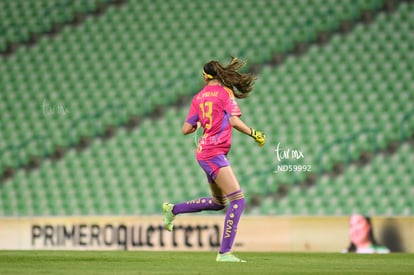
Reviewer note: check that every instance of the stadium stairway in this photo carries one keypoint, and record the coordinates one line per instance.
(26, 148)
(382, 186)
(25, 22)
(80, 198)
(353, 130)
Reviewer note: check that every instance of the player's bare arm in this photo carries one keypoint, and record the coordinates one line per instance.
(239, 125)
(188, 128)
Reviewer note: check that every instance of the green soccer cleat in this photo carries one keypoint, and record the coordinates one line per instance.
(168, 215)
(229, 258)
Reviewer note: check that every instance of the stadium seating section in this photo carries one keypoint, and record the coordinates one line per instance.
(338, 101)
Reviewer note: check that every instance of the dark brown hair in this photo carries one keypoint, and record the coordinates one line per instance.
(240, 83)
(352, 247)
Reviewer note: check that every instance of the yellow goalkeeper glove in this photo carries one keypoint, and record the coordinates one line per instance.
(258, 136)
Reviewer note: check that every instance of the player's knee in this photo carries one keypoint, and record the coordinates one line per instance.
(220, 207)
(219, 203)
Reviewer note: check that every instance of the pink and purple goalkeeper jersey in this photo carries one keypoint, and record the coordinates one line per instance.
(213, 106)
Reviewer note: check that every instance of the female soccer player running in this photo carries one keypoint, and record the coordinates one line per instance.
(215, 108)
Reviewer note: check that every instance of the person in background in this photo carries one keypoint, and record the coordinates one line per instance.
(362, 236)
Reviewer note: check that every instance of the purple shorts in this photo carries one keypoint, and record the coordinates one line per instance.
(213, 165)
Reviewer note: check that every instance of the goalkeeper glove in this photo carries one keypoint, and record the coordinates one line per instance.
(258, 136)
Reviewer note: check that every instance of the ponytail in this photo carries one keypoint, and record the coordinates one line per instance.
(240, 83)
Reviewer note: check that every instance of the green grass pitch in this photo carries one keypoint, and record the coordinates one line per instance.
(129, 262)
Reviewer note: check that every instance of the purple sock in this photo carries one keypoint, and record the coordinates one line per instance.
(214, 203)
(231, 221)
